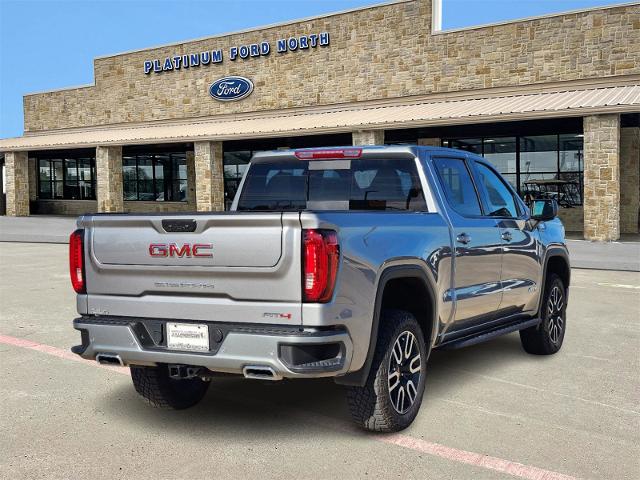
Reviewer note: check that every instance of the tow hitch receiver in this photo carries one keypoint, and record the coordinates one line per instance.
(184, 372)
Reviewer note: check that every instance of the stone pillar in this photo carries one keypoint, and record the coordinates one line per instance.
(602, 177)
(33, 179)
(17, 182)
(368, 137)
(430, 142)
(109, 179)
(629, 179)
(191, 178)
(209, 176)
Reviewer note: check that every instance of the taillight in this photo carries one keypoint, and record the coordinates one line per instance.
(76, 261)
(321, 254)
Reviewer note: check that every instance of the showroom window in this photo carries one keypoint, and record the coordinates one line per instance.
(538, 166)
(155, 177)
(502, 153)
(235, 164)
(66, 177)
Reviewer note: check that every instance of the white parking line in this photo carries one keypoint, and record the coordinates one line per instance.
(618, 285)
(544, 390)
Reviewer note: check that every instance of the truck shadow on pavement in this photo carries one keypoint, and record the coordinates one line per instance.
(235, 407)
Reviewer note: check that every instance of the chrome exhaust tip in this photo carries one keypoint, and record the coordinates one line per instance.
(109, 359)
(260, 372)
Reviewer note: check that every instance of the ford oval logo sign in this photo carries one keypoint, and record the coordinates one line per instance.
(228, 89)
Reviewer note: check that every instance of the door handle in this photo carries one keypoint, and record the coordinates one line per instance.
(506, 236)
(463, 238)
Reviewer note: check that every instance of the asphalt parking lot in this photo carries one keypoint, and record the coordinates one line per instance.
(490, 411)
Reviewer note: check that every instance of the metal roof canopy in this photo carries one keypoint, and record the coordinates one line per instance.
(424, 113)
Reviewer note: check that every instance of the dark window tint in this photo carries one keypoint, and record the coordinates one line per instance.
(473, 145)
(333, 185)
(501, 201)
(155, 177)
(458, 186)
(66, 177)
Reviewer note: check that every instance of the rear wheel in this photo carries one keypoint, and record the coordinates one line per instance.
(546, 338)
(162, 391)
(391, 397)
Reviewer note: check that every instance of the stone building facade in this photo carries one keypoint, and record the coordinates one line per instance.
(513, 76)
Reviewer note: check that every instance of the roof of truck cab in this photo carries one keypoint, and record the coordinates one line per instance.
(367, 151)
(370, 152)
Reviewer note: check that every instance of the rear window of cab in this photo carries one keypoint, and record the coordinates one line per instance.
(353, 184)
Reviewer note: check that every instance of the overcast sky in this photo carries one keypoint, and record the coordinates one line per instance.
(51, 44)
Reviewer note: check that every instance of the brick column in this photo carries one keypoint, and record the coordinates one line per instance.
(629, 179)
(602, 177)
(109, 179)
(368, 137)
(430, 142)
(191, 179)
(209, 176)
(17, 183)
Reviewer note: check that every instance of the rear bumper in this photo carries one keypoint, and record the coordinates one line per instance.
(287, 350)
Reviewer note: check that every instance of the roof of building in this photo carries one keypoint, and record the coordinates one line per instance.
(401, 114)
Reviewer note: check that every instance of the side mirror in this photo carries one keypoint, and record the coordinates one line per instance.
(544, 210)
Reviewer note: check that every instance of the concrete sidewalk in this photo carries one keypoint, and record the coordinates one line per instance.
(605, 256)
(37, 229)
(623, 255)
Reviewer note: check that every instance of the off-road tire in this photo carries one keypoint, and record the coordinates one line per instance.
(162, 391)
(371, 405)
(545, 338)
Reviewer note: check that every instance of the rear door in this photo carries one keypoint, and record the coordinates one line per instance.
(478, 250)
(521, 268)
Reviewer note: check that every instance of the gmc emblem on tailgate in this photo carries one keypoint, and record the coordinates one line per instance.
(186, 250)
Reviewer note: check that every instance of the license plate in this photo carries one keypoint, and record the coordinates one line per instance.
(192, 337)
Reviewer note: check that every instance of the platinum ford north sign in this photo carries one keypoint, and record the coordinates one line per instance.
(228, 89)
(243, 52)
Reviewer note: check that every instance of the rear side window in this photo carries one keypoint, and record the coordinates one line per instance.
(333, 185)
(458, 186)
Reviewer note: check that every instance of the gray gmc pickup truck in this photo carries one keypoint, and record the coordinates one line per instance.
(352, 263)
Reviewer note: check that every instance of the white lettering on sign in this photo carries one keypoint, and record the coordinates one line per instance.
(228, 88)
(243, 52)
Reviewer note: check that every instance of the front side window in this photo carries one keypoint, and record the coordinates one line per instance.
(155, 177)
(501, 202)
(333, 185)
(458, 186)
(66, 178)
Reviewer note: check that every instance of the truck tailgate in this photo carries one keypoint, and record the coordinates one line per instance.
(229, 240)
(230, 267)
